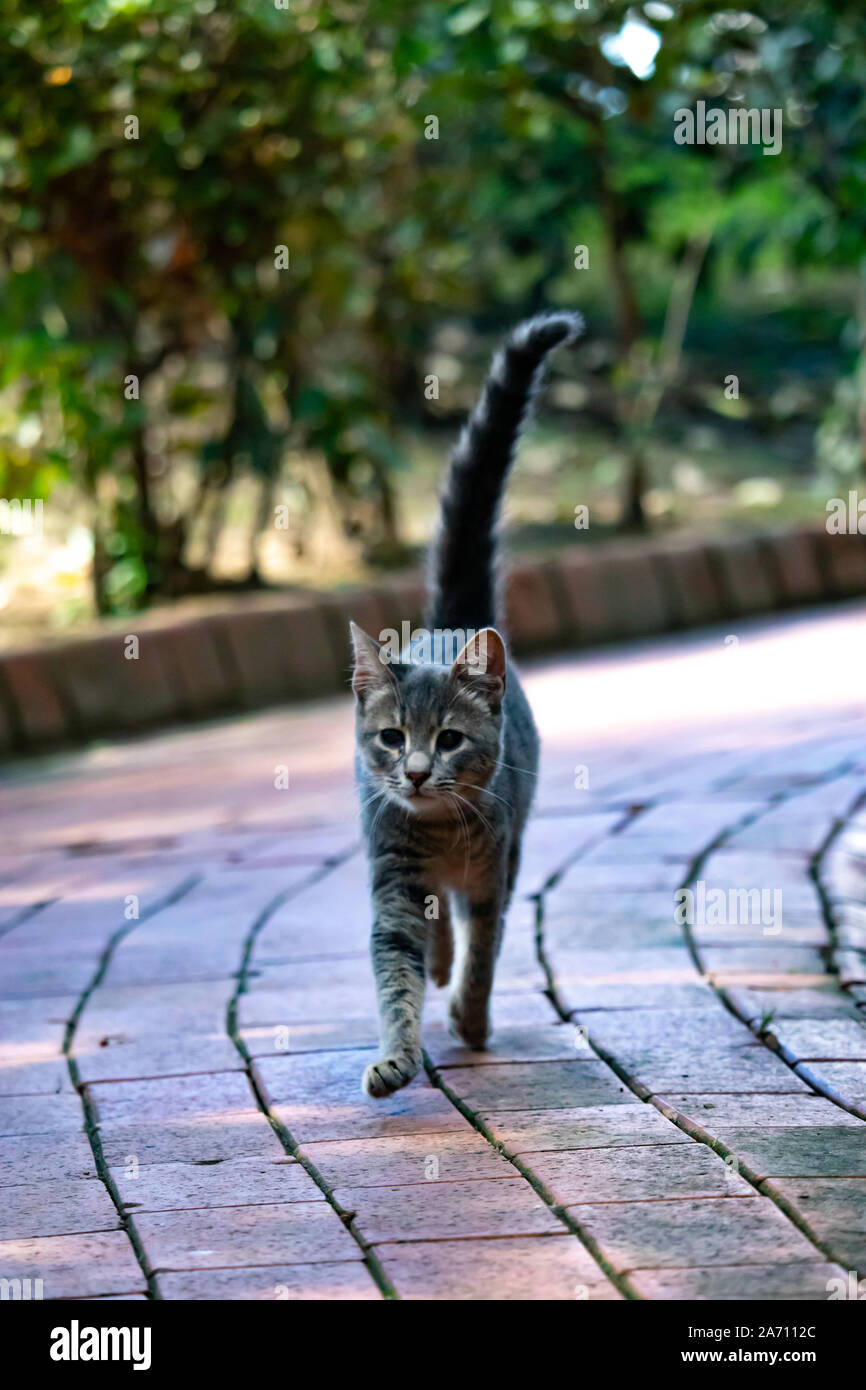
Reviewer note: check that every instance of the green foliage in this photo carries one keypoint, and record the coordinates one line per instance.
(304, 127)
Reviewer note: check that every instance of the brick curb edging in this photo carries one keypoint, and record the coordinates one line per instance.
(279, 648)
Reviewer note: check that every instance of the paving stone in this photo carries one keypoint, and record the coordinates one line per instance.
(120, 1298)
(851, 935)
(853, 916)
(313, 971)
(808, 932)
(90, 1265)
(627, 847)
(31, 1158)
(548, 1042)
(828, 1038)
(763, 964)
(590, 996)
(578, 970)
(572, 910)
(827, 1002)
(679, 1052)
(681, 1233)
(627, 876)
(627, 932)
(846, 1079)
(146, 1010)
(279, 1007)
(40, 1114)
(228, 1183)
(27, 974)
(537, 1085)
(270, 1040)
(329, 1282)
(825, 1151)
(541, 1268)
(657, 1032)
(644, 1173)
(418, 1158)
(549, 841)
(159, 1055)
(437, 1211)
(835, 1209)
(228, 1237)
(804, 1110)
(802, 766)
(47, 1077)
(788, 828)
(851, 967)
(57, 1208)
(776, 1283)
(528, 1010)
(192, 960)
(692, 823)
(592, 1127)
(309, 844)
(206, 1139)
(170, 1097)
(70, 933)
(318, 1096)
(293, 943)
(732, 867)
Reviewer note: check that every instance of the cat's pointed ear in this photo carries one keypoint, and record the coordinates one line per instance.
(481, 664)
(370, 672)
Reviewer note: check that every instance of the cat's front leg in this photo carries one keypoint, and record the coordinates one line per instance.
(397, 950)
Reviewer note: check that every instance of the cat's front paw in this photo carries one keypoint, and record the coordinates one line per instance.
(389, 1074)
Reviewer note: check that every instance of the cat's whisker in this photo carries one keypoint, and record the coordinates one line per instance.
(378, 815)
(472, 787)
(369, 799)
(466, 802)
(529, 771)
(463, 826)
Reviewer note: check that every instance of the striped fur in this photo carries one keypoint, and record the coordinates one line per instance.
(446, 750)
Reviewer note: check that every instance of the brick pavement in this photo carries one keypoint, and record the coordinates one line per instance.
(668, 1110)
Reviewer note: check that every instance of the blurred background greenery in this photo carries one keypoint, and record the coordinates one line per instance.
(429, 169)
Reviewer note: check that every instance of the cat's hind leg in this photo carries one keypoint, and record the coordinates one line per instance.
(469, 1006)
(439, 951)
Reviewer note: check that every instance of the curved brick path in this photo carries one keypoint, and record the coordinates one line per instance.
(667, 1110)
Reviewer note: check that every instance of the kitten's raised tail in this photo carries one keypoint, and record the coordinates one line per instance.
(462, 568)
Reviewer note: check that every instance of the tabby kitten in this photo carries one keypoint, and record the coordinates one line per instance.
(446, 749)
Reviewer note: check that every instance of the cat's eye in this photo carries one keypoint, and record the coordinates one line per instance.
(392, 738)
(448, 740)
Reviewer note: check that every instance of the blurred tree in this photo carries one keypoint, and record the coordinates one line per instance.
(199, 212)
(580, 127)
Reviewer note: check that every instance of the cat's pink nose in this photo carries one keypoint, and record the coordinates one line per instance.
(416, 778)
